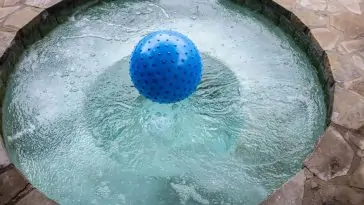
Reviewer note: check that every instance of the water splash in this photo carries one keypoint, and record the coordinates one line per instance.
(188, 192)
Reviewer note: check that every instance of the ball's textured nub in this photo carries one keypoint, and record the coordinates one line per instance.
(166, 67)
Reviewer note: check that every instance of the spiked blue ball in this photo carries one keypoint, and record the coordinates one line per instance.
(166, 67)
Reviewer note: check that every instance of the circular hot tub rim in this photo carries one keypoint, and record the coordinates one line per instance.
(331, 33)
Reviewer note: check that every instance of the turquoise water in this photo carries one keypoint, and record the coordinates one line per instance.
(77, 128)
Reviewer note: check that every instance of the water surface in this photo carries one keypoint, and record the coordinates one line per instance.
(78, 129)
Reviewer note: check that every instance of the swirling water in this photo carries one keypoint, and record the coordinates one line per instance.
(77, 128)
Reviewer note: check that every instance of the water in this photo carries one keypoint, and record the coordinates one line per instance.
(76, 127)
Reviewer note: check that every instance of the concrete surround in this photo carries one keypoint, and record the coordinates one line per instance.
(332, 33)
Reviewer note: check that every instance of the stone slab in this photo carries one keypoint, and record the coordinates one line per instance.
(11, 183)
(327, 38)
(332, 156)
(11, 2)
(22, 17)
(42, 3)
(356, 86)
(350, 46)
(357, 179)
(348, 109)
(311, 19)
(35, 198)
(7, 11)
(351, 24)
(353, 6)
(343, 69)
(291, 193)
(331, 194)
(335, 7)
(358, 59)
(287, 4)
(356, 138)
(316, 5)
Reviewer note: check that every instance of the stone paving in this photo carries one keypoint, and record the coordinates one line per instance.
(332, 33)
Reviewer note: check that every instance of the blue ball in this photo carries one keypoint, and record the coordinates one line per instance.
(166, 67)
